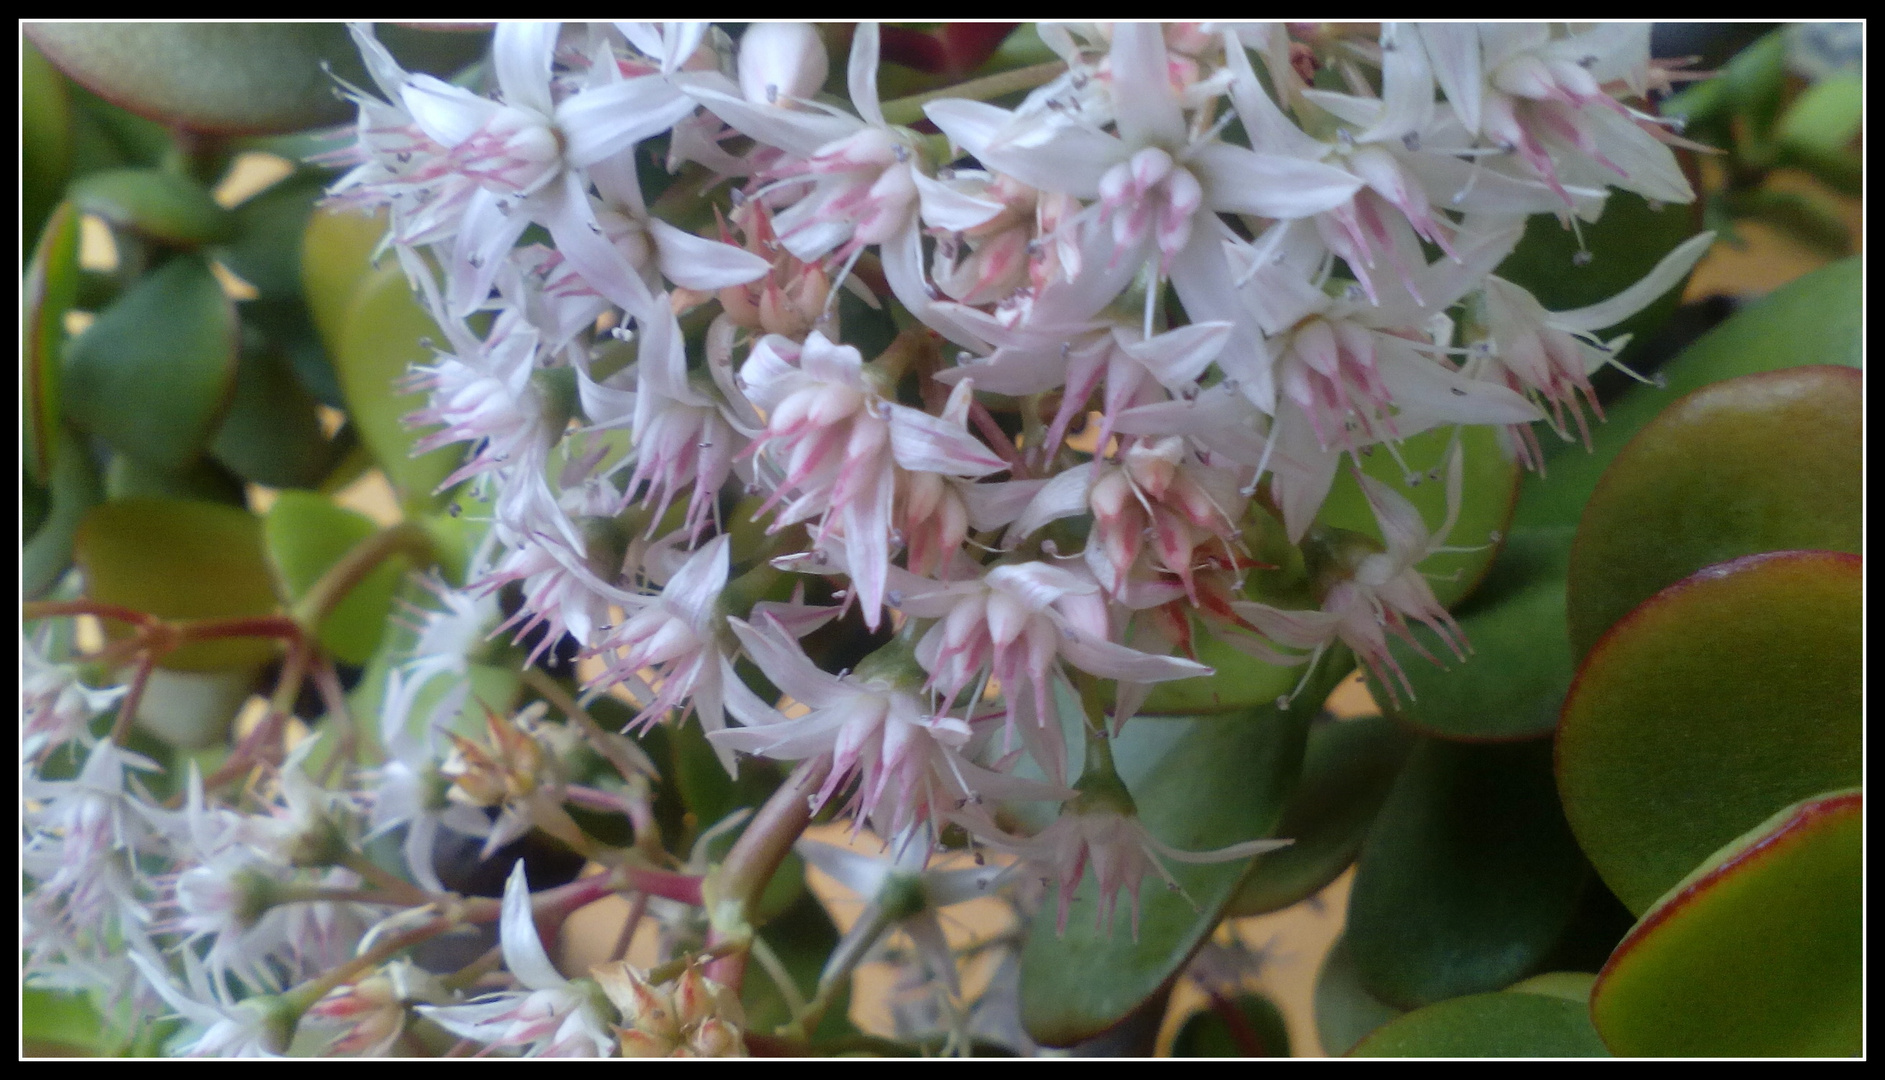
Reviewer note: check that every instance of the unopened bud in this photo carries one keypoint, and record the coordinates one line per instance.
(781, 62)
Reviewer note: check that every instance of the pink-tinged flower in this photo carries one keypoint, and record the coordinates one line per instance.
(1549, 356)
(550, 1016)
(676, 632)
(908, 761)
(459, 167)
(1353, 373)
(1120, 849)
(372, 1012)
(1155, 184)
(562, 592)
(81, 842)
(838, 444)
(1547, 98)
(55, 707)
(1381, 592)
(694, 1018)
(868, 183)
(482, 393)
(899, 893)
(685, 436)
(1019, 623)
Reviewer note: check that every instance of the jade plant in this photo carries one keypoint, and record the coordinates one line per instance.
(991, 444)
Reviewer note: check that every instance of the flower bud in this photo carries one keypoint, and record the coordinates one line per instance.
(780, 62)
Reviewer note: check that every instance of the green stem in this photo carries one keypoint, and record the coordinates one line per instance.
(732, 893)
(406, 538)
(908, 110)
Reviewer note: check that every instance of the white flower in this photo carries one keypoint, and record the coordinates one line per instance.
(550, 1016)
(55, 707)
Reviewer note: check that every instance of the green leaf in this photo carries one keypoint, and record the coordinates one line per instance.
(384, 326)
(1489, 1025)
(335, 252)
(1468, 877)
(194, 710)
(1814, 320)
(202, 480)
(1489, 492)
(74, 490)
(1209, 1034)
(1721, 699)
(265, 250)
(47, 293)
(1347, 771)
(230, 78)
(154, 203)
(153, 375)
(1512, 683)
(1757, 953)
(1765, 462)
(802, 936)
(59, 1023)
(1200, 784)
(1566, 985)
(1345, 1011)
(107, 137)
(272, 433)
(45, 137)
(181, 560)
(306, 536)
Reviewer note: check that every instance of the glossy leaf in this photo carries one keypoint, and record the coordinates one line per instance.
(1199, 783)
(153, 375)
(335, 252)
(1512, 683)
(265, 249)
(1489, 1025)
(306, 536)
(219, 77)
(181, 560)
(384, 326)
(74, 490)
(1489, 493)
(1765, 462)
(49, 290)
(1813, 320)
(1259, 1031)
(154, 203)
(1721, 699)
(1347, 771)
(1238, 681)
(1345, 1011)
(272, 433)
(1468, 877)
(1757, 953)
(1565, 985)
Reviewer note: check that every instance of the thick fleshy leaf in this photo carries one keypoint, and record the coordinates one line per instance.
(1345, 1011)
(1757, 953)
(1489, 487)
(1489, 1025)
(1719, 700)
(154, 203)
(1568, 985)
(181, 560)
(153, 375)
(203, 480)
(232, 78)
(272, 433)
(265, 248)
(1259, 1031)
(1347, 771)
(1765, 462)
(1814, 320)
(379, 342)
(306, 536)
(1511, 685)
(1468, 877)
(1200, 784)
(336, 250)
(47, 293)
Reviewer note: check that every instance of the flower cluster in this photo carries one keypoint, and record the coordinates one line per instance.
(1013, 394)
